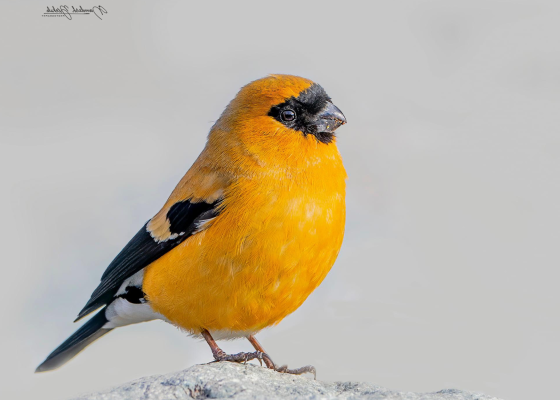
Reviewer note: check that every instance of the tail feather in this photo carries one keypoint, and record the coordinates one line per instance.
(87, 334)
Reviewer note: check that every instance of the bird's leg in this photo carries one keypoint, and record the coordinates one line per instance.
(269, 363)
(220, 355)
(284, 368)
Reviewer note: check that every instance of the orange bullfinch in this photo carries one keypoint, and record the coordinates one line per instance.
(249, 232)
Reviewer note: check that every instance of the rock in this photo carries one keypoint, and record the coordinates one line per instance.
(236, 381)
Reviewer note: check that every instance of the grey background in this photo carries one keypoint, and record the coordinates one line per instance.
(448, 276)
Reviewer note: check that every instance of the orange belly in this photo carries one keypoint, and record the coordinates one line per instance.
(258, 260)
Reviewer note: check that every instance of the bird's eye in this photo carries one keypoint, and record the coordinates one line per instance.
(288, 115)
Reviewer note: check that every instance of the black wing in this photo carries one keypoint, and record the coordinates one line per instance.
(143, 249)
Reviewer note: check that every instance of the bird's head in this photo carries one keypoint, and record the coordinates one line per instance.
(282, 108)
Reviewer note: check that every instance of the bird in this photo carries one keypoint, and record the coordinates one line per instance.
(249, 232)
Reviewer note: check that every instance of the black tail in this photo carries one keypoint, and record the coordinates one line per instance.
(87, 334)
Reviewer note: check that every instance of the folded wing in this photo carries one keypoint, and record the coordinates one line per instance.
(157, 237)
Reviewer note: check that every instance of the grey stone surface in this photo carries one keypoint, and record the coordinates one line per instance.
(235, 381)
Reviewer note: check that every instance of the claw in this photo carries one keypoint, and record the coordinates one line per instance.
(239, 357)
(268, 361)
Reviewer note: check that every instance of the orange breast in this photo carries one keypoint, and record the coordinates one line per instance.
(275, 241)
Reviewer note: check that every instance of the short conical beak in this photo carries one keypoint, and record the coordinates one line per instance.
(330, 118)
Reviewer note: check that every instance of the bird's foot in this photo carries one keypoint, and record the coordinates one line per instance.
(242, 357)
(284, 368)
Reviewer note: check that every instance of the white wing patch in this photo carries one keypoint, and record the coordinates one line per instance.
(134, 280)
(121, 313)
